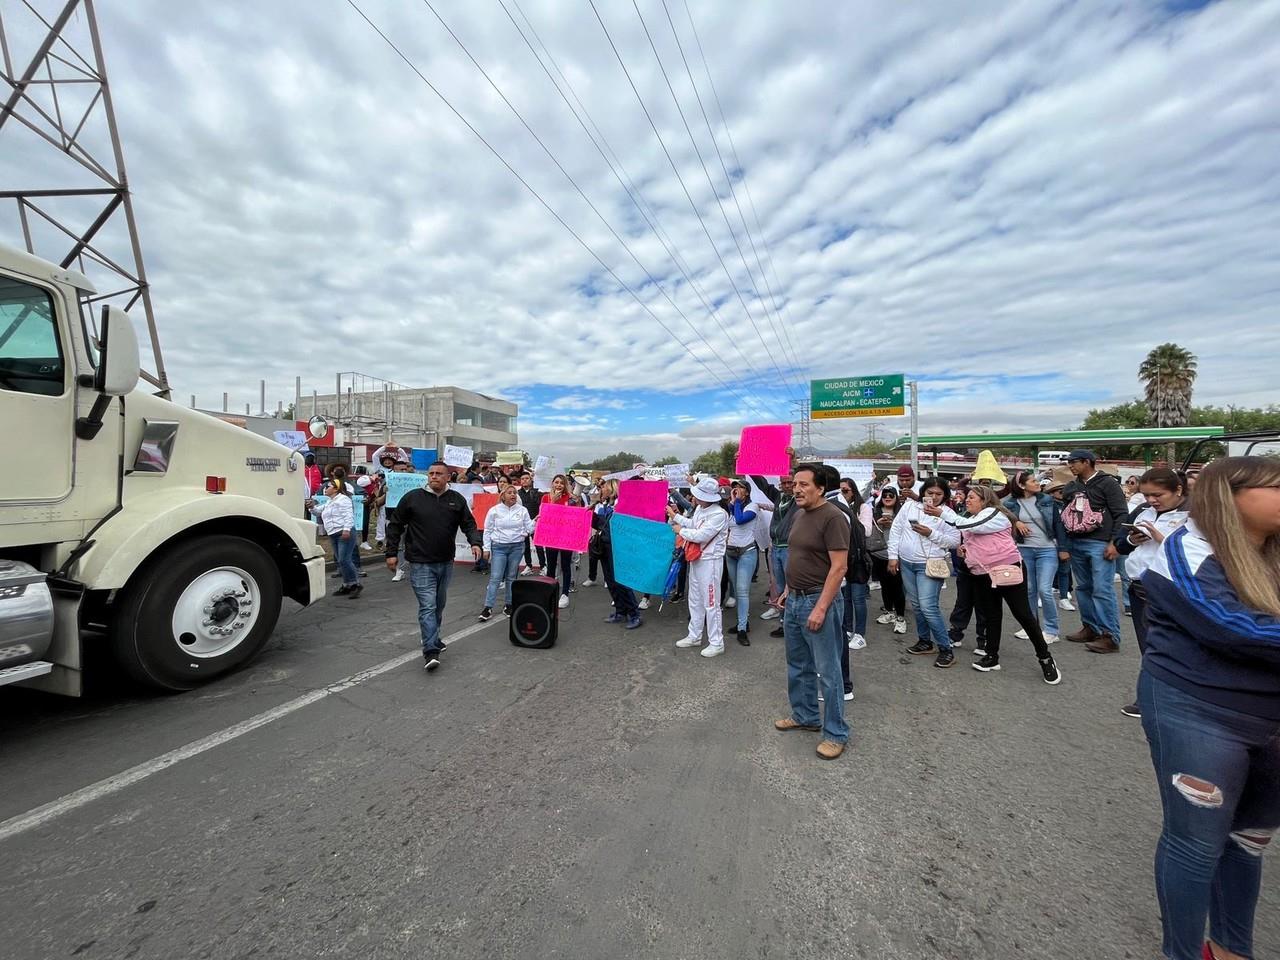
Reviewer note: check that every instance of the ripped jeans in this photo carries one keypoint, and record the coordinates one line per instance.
(1218, 772)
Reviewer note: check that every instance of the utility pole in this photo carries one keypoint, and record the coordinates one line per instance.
(804, 443)
(915, 425)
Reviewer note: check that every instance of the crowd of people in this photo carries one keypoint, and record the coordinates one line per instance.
(1200, 574)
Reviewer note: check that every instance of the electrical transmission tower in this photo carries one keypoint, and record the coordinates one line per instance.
(57, 118)
(803, 441)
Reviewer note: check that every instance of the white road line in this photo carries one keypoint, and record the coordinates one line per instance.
(95, 791)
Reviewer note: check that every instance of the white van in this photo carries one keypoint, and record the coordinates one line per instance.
(1052, 458)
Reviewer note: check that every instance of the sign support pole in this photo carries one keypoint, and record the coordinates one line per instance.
(915, 426)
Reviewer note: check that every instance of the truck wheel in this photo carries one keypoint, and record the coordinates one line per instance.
(197, 611)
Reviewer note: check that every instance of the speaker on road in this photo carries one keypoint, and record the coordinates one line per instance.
(535, 612)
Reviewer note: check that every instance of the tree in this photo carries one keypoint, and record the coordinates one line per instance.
(721, 462)
(665, 462)
(1135, 414)
(612, 463)
(867, 448)
(1168, 375)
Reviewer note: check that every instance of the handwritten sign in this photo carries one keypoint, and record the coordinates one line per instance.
(562, 527)
(357, 508)
(763, 449)
(641, 552)
(643, 498)
(624, 474)
(510, 458)
(861, 472)
(398, 484)
(677, 474)
(481, 504)
(458, 456)
(291, 438)
(544, 471)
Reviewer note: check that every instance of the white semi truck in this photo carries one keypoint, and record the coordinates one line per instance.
(125, 519)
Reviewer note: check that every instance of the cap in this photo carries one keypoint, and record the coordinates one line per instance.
(1082, 455)
(906, 471)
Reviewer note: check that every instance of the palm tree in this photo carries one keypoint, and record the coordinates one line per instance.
(1168, 375)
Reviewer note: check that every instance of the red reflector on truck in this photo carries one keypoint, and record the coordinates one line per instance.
(215, 484)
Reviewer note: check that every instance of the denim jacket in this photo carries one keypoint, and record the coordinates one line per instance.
(1050, 512)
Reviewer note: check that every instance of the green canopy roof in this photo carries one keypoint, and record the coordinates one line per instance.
(1066, 438)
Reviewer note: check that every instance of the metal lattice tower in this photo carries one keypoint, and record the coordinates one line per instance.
(803, 441)
(57, 118)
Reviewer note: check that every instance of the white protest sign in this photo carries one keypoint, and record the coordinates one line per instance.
(544, 471)
(624, 474)
(458, 456)
(677, 474)
(861, 472)
(291, 438)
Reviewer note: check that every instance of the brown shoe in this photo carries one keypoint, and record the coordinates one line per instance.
(829, 749)
(1104, 644)
(1083, 635)
(790, 723)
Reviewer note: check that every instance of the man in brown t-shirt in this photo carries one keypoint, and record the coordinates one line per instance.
(817, 557)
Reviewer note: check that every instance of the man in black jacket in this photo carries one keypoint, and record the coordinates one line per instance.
(532, 500)
(1093, 556)
(432, 517)
(784, 515)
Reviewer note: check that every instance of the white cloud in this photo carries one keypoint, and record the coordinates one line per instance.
(1047, 191)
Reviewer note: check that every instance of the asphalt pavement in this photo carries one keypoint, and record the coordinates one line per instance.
(611, 797)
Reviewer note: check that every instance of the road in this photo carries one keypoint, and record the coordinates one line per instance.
(613, 796)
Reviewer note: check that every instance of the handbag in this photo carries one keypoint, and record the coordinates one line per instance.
(937, 567)
(692, 551)
(1005, 574)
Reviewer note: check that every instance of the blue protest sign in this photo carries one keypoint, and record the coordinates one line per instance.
(398, 484)
(641, 552)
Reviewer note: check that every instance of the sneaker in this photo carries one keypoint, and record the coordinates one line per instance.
(432, 661)
(485, 614)
(588, 583)
(633, 623)
(986, 664)
(644, 603)
(1052, 675)
(791, 723)
(978, 652)
(1022, 635)
(689, 642)
(506, 609)
(365, 547)
(776, 632)
(772, 613)
(398, 577)
(342, 591)
(829, 749)
(1051, 638)
(1066, 604)
(957, 643)
(564, 601)
(1132, 710)
(886, 618)
(873, 585)
(355, 590)
(900, 625)
(713, 651)
(857, 642)
(946, 658)
(730, 602)
(921, 648)
(848, 696)
(614, 618)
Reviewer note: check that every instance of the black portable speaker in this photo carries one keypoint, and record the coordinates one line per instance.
(535, 612)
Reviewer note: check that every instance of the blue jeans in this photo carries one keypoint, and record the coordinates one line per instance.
(922, 593)
(741, 570)
(1041, 564)
(1124, 582)
(504, 563)
(1095, 587)
(1209, 857)
(855, 607)
(344, 558)
(778, 566)
(810, 655)
(430, 582)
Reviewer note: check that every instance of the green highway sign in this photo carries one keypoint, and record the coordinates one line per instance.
(878, 396)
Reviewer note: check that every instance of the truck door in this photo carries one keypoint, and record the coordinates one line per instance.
(37, 399)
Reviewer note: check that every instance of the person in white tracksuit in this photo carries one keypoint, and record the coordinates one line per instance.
(708, 527)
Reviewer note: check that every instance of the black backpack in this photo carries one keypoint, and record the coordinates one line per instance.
(859, 557)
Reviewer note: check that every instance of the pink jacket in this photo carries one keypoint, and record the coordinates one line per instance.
(988, 540)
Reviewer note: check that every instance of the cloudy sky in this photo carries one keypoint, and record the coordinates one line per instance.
(1010, 202)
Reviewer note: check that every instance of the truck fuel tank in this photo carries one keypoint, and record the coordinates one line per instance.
(26, 613)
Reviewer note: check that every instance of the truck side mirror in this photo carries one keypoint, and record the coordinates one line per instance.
(118, 368)
(318, 427)
(118, 364)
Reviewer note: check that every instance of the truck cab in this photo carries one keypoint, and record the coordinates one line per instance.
(125, 519)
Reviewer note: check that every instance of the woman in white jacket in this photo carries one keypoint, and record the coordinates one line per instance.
(920, 550)
(505, 527)
(339, 518)
(708, 529)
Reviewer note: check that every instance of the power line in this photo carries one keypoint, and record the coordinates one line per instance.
(683, 185)
(737, 163)
(784, 341)
(710, 183)
(537, 196)
(675, 258)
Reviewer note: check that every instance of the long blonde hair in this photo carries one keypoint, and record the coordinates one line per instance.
(1253, 573)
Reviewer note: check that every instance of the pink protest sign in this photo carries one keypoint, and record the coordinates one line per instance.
(643, 498)
(763, 449)
(563, 528)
